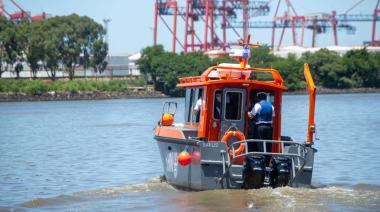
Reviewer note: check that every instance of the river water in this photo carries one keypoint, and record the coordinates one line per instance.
(101, 156)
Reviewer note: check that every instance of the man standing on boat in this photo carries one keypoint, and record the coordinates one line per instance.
(263, 111)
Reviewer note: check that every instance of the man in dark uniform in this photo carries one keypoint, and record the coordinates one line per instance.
(263, 112)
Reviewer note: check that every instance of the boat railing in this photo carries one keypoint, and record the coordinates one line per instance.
(298, 158)
(301, 150)
(232, 73)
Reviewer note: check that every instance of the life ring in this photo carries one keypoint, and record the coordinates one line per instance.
(238, 135)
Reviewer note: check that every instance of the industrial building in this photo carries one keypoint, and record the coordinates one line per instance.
(298, 50)
(119, 65)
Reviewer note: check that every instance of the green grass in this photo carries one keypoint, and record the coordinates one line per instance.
(38, 86)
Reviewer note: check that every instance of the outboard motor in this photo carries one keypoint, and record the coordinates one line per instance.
(280, 174)
(253, 171)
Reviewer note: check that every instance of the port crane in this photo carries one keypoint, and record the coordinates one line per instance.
(318, 23)
(21, 14)
(206, 22)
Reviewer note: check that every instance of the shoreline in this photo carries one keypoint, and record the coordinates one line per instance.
(100, 95)
(321, 90)
(84, 95)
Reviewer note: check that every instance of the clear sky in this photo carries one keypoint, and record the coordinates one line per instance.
(131, 27)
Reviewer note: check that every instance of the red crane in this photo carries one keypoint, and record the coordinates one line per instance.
(2, 12)
(21, 14)
(376, 15)
(206, 22)
(206, 11)
(318, 23)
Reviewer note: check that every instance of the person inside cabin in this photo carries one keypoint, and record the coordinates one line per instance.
(198, 106)
(263, 112)
(233, 101)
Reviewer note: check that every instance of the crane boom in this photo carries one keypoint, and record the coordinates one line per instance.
(20, 8)
(2, 8)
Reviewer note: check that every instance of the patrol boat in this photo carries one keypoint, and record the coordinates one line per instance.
(216, 147)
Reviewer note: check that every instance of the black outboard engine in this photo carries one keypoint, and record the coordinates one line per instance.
(281, 169)
(253, 171)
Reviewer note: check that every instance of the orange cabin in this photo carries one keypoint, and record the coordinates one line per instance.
(227, 93)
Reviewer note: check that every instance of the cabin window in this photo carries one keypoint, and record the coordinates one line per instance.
(188, 103)
(191, 99)
(254, 100)
(233, 105)
(197, 104)
(217, 104)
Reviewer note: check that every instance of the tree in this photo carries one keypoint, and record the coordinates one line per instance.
(375, 58)
(98, 55)
(52, 46)
(18, 68)
(92, 41)
(363, 67)
(52, 55)
(223, 59)
(67, 41)
(61, 41)
(262, 57)
(71, 43)
(329, 69)
(145, 62)
(166, 67)
(35, 50)
(77, 35)
(4, 26)
(195, 63)
(8, 43)
(20, 45)
(291, 70)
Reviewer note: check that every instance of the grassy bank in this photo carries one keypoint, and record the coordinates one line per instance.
(34, 87)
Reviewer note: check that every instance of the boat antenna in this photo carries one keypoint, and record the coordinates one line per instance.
(246, 51)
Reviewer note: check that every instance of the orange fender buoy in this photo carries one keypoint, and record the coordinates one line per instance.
(196, 158)
(238, 135)
(184, 158)
(167, 119)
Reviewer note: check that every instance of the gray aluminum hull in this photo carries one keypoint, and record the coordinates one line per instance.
(215, 170)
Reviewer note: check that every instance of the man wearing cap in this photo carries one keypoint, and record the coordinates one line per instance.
(263, 111)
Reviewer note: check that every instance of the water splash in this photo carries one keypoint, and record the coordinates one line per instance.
(155, 184)
(329, 198)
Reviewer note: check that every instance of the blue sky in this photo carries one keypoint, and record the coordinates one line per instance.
(132, 20)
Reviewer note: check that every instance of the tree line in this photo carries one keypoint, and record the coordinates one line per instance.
(356, 68)
(61, 42)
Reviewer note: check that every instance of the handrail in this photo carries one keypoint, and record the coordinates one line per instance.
(301, 155)
(167, 108)
(204, 76)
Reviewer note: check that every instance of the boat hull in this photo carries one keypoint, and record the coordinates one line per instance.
(209, 170)
(181, 176)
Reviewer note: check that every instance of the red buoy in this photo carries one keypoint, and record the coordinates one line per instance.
(167, 119)
(196, 158)
(184, 158)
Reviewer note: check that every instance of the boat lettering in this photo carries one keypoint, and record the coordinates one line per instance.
(172, 163)
(210, 145)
